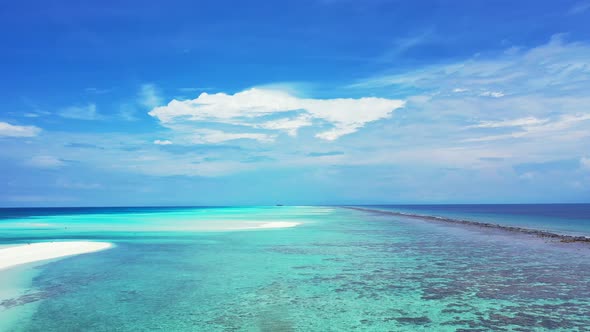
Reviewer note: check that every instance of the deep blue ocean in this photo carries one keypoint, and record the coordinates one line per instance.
(570, 219)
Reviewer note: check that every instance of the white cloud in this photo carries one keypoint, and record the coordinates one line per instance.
(543, 114)
(528, 176)
(77, 185)
(335, 133)
(250, 107)
(8, 130)
(87, 112)
(45, 161)
(495, 137)
(548, 99)
(495, 94)
(162, 142)
(555, 64)
(535, 127)
(402, 45)
(148, 96)
(289, 125)
(528, 121)
(202, 136)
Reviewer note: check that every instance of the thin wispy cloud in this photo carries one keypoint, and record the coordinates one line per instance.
(87, 112)
(149, 96)
(580, 7)
(564, 125)
(45, 161)
(555, 64)
(528, 121)
(67, 184)
(494, 94)
(402, 45)
(204, 136)
(9, 130)
(547, 86)
(128, 112)
(325, 154)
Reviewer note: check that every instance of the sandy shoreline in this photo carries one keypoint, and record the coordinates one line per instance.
(34, 252)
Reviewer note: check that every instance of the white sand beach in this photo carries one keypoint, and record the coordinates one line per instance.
(29, 253)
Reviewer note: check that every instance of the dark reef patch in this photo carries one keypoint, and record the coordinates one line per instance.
(539, 233)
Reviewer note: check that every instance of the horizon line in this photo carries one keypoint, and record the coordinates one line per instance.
(278, 205)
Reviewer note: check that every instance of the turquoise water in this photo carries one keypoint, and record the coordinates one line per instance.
(190, 270)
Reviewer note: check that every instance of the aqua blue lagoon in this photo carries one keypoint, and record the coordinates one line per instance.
(218, 269)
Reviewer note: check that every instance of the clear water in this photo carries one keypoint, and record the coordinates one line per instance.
(175, 270)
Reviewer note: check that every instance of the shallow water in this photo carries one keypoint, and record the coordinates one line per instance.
(339, 270)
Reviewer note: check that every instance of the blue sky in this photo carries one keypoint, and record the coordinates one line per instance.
(294, 102)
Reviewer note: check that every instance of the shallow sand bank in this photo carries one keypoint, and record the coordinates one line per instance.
(278, 224)
(29, 253)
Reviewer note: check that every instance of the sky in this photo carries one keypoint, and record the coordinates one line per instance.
(118, 103)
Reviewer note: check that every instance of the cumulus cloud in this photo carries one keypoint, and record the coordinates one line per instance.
(8, 130)
(162, 142)
(252, 107)
(288, 125)
(87, 112)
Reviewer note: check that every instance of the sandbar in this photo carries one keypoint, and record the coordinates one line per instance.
(34, 252)
(278, 224)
